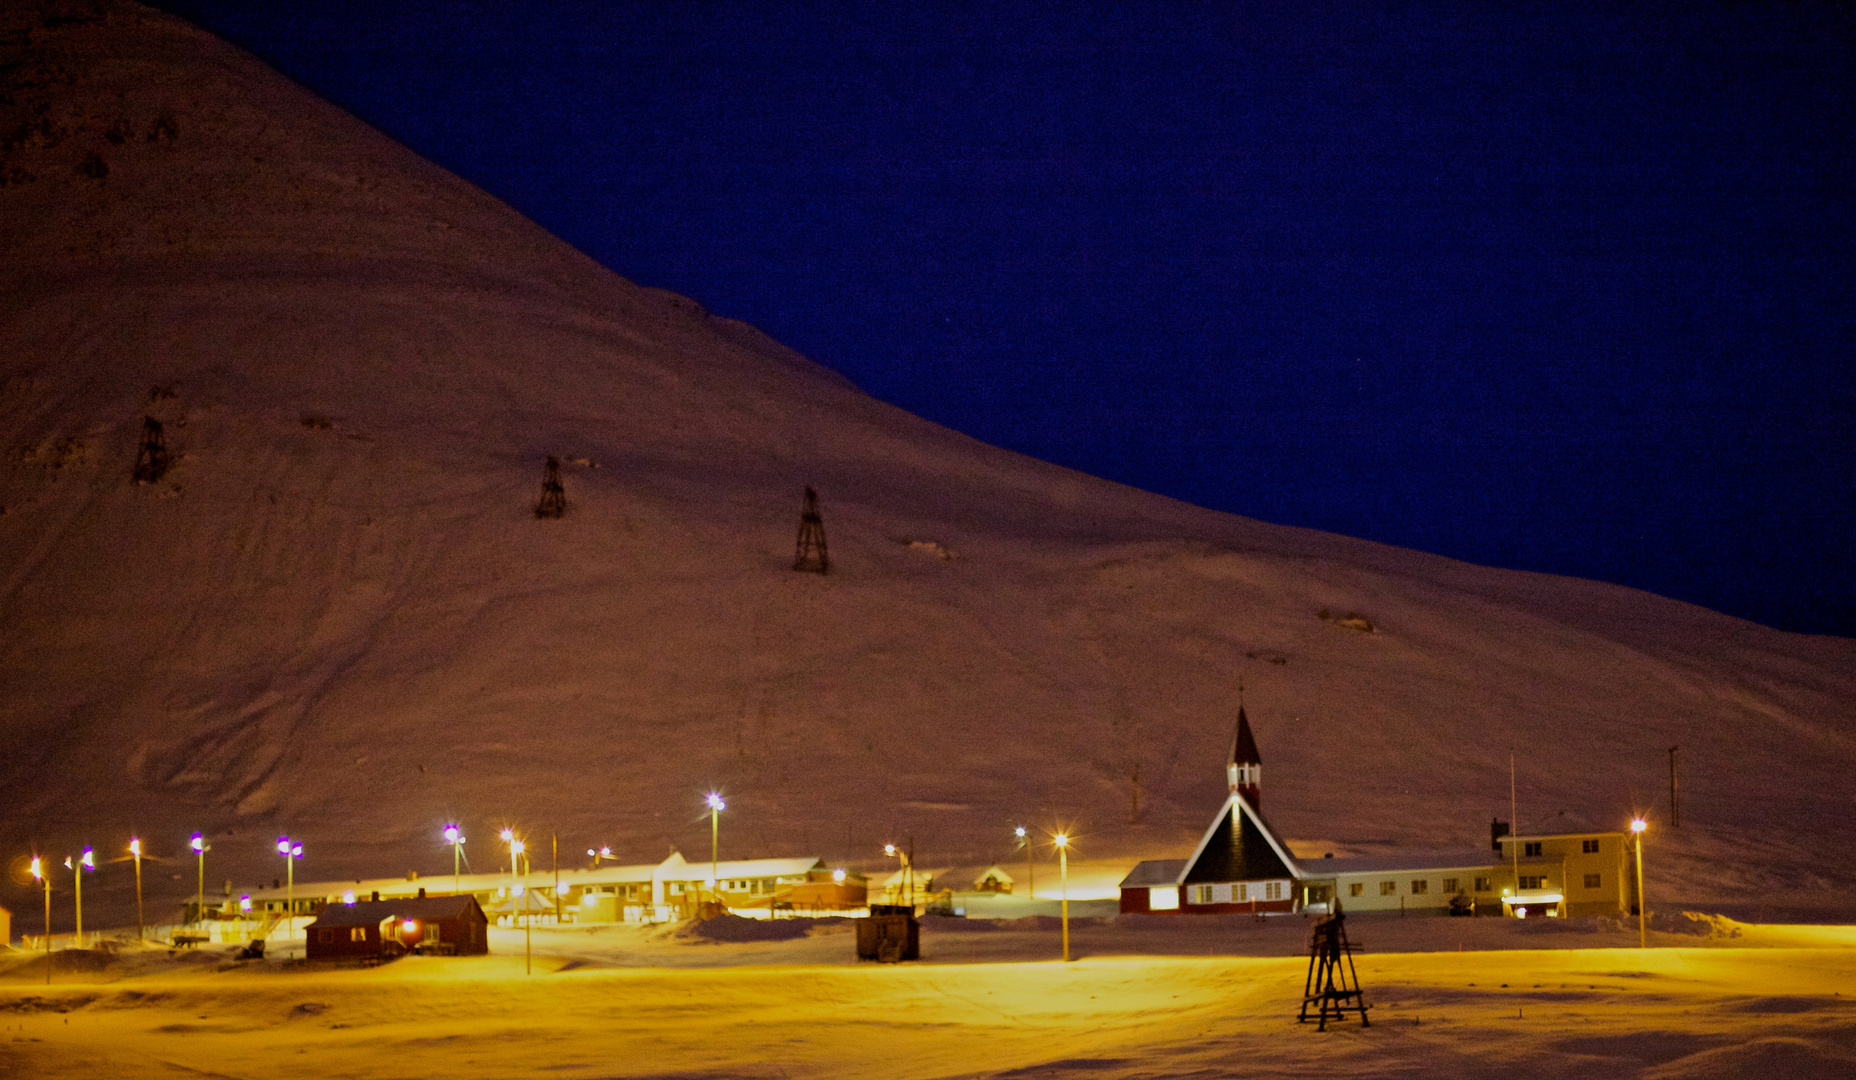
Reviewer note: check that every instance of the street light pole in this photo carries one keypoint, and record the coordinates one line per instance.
(83, 862)
(290, 852)
(716, 806)
(135, 850)
(38, 871)
(1637, 826)
(455, 836)
(1031, 881)
(1063, 869)
(198, 843)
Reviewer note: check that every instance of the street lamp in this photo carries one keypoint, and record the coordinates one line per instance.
(1031, 881)
(1062, 840)
(86, 861)
(519, 890)
(908, 868)
(198, 844)
(38, 871)
(291, 853)
(1637, 825)
(135, 852)
(716, 806)
(596, 856)
(455, 837)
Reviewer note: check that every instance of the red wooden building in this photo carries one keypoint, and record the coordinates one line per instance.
(451, 925)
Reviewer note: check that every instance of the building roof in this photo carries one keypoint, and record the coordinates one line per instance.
(1401, 861)
(1243, 745)
(1154, 872)
(674, 868)
(1239, 846)
(373, 912)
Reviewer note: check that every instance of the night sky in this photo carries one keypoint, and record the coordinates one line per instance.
(1565, 291)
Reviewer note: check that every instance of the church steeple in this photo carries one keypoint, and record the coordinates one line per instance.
(1245, 770)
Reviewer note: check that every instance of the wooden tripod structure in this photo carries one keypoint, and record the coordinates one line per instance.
(1333, 985)
(553, 497)
(151, 461)
(809, 553)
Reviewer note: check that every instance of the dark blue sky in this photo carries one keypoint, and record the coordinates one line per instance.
(1566, 291)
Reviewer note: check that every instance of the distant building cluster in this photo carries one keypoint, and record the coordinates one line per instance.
(1241, 865)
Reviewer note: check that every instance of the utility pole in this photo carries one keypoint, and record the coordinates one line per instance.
(1675, 802)
(151, 459)
(553, 497)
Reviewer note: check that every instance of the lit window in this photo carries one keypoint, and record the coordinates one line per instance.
(1163, 898)
(1420, 887)
(1592, 881)
(1358, 888)
(1388, 888)
(1529, 881)
(1590, 847)
(358, 933)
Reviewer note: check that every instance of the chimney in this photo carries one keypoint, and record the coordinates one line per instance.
(421, 894)
(1497, 829)
(376, 896)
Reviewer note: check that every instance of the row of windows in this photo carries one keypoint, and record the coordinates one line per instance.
(1532, 848)
(1422, 886)
(1242, 892)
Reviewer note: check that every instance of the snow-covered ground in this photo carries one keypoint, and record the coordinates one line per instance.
(336, 616)
(1168, 997)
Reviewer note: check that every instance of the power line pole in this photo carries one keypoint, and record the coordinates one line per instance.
(553, 497)
(809, 553)
(1675, 803)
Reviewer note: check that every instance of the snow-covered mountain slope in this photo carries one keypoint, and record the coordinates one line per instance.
(337, 616)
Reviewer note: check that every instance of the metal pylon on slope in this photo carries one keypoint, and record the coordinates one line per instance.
(151, 461)
(809, 553)
(1330, 971)
(553, 497)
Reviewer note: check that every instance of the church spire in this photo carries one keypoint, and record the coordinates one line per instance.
(1245, 769)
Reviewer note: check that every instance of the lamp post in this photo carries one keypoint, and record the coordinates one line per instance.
(908, 869)
(38, 871)
(1031, 881)
(291, 853)
(455, 837)
(596, 856)
(1062, 840)
(198, 844)
(1637, 826)
(77, 866)
(519, 890)
(716, 806)
(135, 852)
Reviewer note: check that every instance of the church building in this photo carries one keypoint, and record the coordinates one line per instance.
(1240, 864)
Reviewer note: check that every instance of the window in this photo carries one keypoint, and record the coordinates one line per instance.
(1419, 887)
(1242, 892)
(1484, 885)
(1450, 884)
(1592, 881)
(1590, 847)
(358, 933)
(1356, 888)
(1163, 898)
(1531, 849)
(1529, 881)
(1388, 888)
(1272, 890)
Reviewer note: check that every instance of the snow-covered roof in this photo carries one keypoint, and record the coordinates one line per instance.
(1154, 872)
(370, 912)
(1400, 862)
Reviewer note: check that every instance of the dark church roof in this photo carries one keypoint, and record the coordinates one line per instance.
(1236, 849)
(1243, 746)
(373, 912)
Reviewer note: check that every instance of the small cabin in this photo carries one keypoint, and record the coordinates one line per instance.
(370, 929)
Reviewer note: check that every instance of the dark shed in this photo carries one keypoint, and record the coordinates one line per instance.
(451, 925)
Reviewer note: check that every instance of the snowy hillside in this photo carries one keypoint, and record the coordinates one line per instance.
(336, 615)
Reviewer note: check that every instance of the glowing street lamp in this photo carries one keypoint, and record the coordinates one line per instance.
(716, 806)
(86, 861)
(1637, 825)
(38, 871)
(455, 837)
(291, 853)
(198, 844)
(908, 868)
(596, 856)
(135, 852)
(1062, 840)
(1031, 881)
(519, 891)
